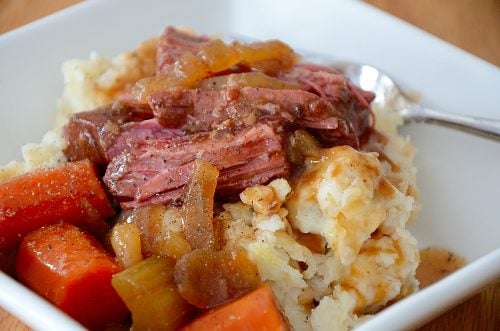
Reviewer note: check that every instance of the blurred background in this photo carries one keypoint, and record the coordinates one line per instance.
(473, 25)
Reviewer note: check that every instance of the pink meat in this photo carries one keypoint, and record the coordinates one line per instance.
(102, 134)
(197, 110)
(173, 44)
(157, 170)
(134, 133)
(337, 89)
(91, 133)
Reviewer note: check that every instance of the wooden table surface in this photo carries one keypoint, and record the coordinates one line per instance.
(473, 25)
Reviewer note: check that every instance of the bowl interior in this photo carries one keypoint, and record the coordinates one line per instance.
(458, 174)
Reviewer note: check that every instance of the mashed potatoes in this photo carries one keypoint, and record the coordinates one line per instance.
(369, 258)
(88, 84)
(333, 246)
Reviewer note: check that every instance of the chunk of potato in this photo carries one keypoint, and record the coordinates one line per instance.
(126, 243)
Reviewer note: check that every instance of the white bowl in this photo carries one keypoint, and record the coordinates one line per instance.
(459, 175)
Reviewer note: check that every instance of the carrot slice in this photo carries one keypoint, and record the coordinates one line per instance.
(70, 268)
(257, 310)
(71, 193)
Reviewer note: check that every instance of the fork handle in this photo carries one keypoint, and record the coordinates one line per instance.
(485, 127)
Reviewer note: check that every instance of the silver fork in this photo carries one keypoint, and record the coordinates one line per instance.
(388, 94)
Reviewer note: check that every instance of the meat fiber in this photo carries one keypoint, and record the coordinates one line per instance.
(101, 134)
(197, 110)
(157, 170)
(90, 133)
(175, 43)
(134, 133)
(339, 91)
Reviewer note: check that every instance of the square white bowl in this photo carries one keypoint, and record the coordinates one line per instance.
(458, 174)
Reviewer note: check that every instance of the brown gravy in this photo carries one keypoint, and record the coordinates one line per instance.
(437, 263)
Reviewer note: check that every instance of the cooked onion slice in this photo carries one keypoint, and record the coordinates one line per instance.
(269, 57)
(302, 145)
(207, 278)
(245, 79)
(198, 205)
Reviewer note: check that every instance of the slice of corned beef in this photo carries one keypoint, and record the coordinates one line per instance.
(101, 134)
(157, 170)
(336, 88)
(197, 110)
(173, 44)
(134, 133)
(90, 133)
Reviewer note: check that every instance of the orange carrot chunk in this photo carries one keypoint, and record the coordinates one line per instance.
(71, 193)
(70, 268)
(257, 310)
